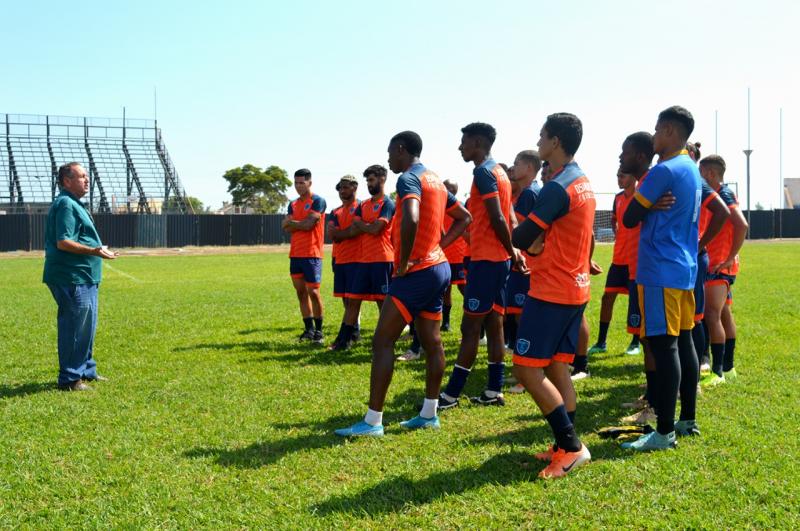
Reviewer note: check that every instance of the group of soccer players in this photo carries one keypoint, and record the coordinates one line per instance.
(521, 254)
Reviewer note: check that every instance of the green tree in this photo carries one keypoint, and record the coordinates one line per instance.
(262, 190)
(194, 205)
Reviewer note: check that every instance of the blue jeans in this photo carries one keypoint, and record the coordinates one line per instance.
(77, 323)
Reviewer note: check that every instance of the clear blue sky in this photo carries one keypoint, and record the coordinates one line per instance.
(324, 85)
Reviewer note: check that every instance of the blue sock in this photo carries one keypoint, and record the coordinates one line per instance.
(458, 379)
(497, 373)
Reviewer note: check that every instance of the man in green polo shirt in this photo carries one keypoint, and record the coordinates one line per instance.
(72, 270)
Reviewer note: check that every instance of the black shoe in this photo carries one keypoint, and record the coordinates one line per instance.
(444, 403)
(484, 400)
(445, 327)
(356, 336)
(340, 345)
(97, 378)
(308, 335)
(318, 338)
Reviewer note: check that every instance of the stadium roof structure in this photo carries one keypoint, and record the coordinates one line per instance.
(129, 167)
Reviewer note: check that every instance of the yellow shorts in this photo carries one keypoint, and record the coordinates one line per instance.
(665, 310)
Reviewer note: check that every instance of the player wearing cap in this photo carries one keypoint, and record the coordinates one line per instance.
(305, 221)
(346, 252)
(421, 277)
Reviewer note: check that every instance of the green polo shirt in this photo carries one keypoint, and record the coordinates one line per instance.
(68, 219)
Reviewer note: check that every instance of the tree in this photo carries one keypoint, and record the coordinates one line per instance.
(262, 190)
(192, 203)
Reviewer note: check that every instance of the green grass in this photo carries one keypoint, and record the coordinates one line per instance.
(215, 417)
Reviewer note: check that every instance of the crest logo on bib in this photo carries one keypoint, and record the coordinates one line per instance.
(472, 304)
(519, 298)
(523, 345)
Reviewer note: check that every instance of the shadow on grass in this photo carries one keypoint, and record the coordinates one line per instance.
(261, 454)
(398, 493)
(11, 391)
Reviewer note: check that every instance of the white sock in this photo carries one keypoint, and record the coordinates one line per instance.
(429, 406)
(373, 418)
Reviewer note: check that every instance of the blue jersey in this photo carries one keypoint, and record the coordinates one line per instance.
(668, 238)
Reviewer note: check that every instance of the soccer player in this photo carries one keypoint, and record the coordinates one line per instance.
(666, 273)
(346, 253)
(305, 222)
(455, 257)
(491, 251)
(524, 193)
(548, 331)
(618, 276)
(421, 276)
(373, 222)
(723, 259)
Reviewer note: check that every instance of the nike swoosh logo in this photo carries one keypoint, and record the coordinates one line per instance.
(568, 468)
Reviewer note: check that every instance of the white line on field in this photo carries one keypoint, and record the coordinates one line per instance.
(124, 274)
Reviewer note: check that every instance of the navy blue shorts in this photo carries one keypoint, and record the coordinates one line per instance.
(547, 332)
(371, 281)
(617, 279)
(309, 269)
(634, 312)
(344, 276)
(699, 287)
(421, 293)
(486, 287)
(458, 274)
(517, 288)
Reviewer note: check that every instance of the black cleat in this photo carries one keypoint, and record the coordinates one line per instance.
(318, 338)
(484, 400)
(445, 403)
(308, 335)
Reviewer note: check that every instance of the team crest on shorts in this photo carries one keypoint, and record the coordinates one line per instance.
(523, 345)
(635, 320)
(473, 304)
(519, 298)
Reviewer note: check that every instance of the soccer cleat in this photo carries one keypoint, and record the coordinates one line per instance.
(517, 389)
(482, 341)
(361, 429)
(712, 380)
(307, 335)
(547, 455)
(651, 441)
(340, 345)
(563, 462)
(597, 348)
(579, 375)
(410, 355)
(633, 350)
(419, 422)
(705, 366)
(445, 403)
(644, 416)
(730, 376)
(356, 335)
(686, 428)
(484, 400)
(319, 338)
(639, 403)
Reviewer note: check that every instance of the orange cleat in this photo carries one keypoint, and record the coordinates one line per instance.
(565, 462)
(547, 455)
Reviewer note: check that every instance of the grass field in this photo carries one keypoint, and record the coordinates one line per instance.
(215, 417)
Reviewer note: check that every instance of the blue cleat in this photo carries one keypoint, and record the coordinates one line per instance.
(651, 441)
(361, 429)
(421, 423)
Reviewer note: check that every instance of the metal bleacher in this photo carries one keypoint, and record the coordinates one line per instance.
(128, 164)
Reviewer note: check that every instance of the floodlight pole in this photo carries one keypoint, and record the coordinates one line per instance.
(747, 153)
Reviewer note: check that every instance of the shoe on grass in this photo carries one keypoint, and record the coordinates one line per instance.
(361, 429)
(319, 338)
(516, 389)
(645, 416)
(686, 428)
(445, 403)
(421, 423)
(307, 335)
(633, 350)
(563, 462)
(547, 455)
(711, 380)
(579, 375)
(410, 355)
(485, 400)
(651, 442)
(705, 367)
(598, 348)
(730, 376)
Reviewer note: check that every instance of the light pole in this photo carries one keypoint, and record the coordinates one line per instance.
(747, 153)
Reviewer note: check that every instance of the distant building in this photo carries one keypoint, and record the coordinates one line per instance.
(230, 208)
